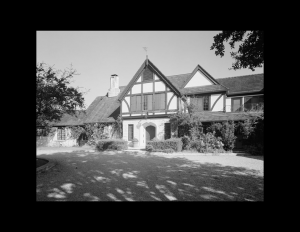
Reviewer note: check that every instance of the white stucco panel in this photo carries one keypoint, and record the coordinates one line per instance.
(173, 104)
(124, 107)
(136, 89)
(128, 100)
(198, 80)
(140, 79)
(148, 87)
(139, 126)
(219, 104)
(169, 95)
(160, 86)
(156, 77)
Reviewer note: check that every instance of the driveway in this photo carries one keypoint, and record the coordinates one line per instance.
(86, 175)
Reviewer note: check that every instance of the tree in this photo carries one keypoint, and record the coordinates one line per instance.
(251, 50)
(53, 95)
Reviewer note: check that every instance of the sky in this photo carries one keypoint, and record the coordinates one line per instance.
(96, 55)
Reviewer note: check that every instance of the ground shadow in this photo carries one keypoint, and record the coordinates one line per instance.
(131, 176)
(251, 156)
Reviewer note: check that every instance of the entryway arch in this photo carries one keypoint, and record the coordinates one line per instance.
(151, 132)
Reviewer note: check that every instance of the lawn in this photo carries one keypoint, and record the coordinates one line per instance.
(132, 176)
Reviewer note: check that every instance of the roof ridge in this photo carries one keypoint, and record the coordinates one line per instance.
(178, 75)
(240, 76)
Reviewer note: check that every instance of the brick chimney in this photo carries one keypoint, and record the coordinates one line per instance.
(114, 86)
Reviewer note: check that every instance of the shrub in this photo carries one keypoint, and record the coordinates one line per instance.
(173, 143)
(185, 142)
(226, 132)
(255, 150)
(197, 145)
(111, 144)
(155, 139)
(149, 148)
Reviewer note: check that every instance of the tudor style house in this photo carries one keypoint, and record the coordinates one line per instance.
(146, 103)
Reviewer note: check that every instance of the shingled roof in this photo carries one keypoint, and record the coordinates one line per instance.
(71, 120)
(209, 116)
(178, 80)
(243, 84)
(104, 109)
(203, 89)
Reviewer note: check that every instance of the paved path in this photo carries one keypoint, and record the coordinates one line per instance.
(136, 176)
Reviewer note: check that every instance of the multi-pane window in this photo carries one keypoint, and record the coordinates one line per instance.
(160, 101)
(205, 103)
(61, 134)
(147, 102)
(201, 103)
(41, 132)
(135, 103)
(130, 132)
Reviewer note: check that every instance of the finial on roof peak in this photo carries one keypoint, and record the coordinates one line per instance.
(145, 48)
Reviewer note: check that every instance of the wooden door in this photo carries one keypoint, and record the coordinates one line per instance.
(150, 133)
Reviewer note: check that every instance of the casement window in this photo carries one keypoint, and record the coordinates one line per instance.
(136, 103)
(160, 101)
(130, 132)
(147, 102)
(206, 102)
(147, 75)
(61, 133)
(253, 102)
(41, 132)
(236, 104)
(201, 103)
(167, 130)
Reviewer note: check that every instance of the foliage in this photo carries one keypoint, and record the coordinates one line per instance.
(54, 96)
(135, 140)
(117, 127)
(226, 132)
(253, 134)
(149, 147)
(111, 144)
(76, 131)
(197, 145)
(185, 142)
(251, 50)
(207, 143)
(188, 124)
(93, 131)
(255, 149)
(173, 143)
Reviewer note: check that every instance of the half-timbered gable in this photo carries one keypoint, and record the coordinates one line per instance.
(149, 93)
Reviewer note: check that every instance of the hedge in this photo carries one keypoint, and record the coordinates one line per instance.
(173, 143)
(111, 144)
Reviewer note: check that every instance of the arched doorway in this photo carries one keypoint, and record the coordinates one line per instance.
(150, 133)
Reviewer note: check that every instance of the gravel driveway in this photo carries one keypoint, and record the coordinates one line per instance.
(132, 176)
